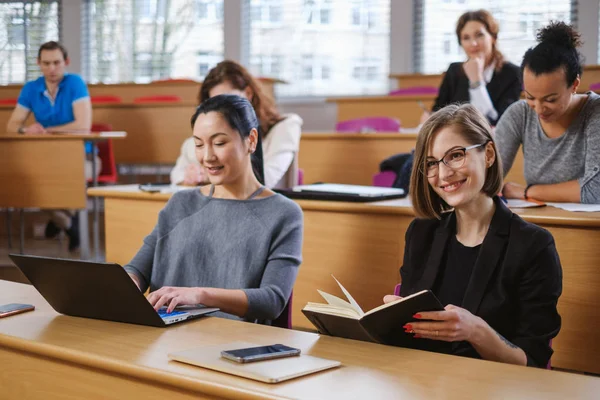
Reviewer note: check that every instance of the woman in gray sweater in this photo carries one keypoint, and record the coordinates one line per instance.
(232, 244)
(557, 127)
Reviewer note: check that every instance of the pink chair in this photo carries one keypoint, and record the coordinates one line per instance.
(384, 179)
(368, 124)
(595, 87)
(414, 90)
(167, 98)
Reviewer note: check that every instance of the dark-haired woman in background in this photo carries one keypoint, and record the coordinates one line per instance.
(233, 244)
(557, 127)
(280, 133)
(485, 80)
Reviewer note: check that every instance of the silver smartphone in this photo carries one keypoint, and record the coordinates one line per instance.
(252, 354)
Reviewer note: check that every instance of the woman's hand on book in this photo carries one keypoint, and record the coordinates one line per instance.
(388, 298)
(452, 325)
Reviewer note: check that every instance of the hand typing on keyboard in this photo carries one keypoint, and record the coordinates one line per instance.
(163, 313)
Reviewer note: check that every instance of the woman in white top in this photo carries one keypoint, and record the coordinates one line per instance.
(280, 133)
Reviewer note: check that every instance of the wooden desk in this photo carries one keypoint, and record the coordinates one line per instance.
(363, 245)
(591, 74)
(354, 158)
(47, 172)
(405, 108)
(186, 90)
(59, 356)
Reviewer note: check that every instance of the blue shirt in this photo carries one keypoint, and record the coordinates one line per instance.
(50, 112)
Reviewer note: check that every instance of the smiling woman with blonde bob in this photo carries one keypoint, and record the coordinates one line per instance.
(498, 276)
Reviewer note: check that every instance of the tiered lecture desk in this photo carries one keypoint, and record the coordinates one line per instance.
(55, 356)
(362, 245)
(354, 158)
(47, 172)
(155, 130)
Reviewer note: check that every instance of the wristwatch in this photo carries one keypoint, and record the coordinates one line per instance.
(474, 85)
(21, 130)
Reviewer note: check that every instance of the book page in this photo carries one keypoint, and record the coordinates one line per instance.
(386, 305)
(353, 302)
(331, 310)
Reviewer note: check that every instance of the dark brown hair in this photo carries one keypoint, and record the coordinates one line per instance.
(491, 25)
(475, 129)
(240, 78)
(52, 45)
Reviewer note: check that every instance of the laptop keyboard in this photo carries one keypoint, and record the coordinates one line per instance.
(164, 314)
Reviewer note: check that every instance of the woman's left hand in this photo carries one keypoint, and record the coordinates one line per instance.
(452, 325)
(174, 296)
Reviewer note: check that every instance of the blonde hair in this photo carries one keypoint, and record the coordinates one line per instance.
(475, 129)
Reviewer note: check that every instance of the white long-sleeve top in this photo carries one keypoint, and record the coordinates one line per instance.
(279, 147)
(480, 97)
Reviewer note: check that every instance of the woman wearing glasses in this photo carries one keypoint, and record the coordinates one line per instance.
(498, 276)
(557, 127)
(485, 80)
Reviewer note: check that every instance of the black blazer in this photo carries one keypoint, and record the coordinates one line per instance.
(514, 286)
(504, 88)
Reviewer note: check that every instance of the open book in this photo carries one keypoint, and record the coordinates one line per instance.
(383, 324)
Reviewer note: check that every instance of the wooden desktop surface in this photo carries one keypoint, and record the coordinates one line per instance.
(187, 90)
(53, 356)
(362, 245)
(354, 158)
(45, 171)
(404, 108)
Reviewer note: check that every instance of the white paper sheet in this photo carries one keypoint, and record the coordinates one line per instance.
(576, 207)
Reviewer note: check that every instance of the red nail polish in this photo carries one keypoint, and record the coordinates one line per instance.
(417, 316)
(417, 336)
(408, 327)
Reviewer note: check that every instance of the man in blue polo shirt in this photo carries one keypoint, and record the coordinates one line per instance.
(59, 102)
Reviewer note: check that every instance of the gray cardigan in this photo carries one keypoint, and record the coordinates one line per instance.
(573, 155)
(199, 241)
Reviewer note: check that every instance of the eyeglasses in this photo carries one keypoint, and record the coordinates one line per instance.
(454, 158)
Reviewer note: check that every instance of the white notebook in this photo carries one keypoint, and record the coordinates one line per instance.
(269, 371)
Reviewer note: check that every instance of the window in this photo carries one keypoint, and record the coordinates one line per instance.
(362, 14)
(145, 40)
(267, 11)
(436, 45)
(19, 46)
(318, 12)
(209, 10)
(267, 65)
(206, 61)
(317, 64)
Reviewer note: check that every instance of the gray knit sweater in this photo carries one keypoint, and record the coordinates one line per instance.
(199, 241)
(573, 155)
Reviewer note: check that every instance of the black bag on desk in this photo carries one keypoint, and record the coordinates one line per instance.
(401, 165)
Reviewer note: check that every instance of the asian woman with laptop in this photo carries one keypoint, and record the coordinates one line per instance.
(233, 244)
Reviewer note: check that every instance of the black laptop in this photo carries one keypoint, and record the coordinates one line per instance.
(97, 290)
(341, 192)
